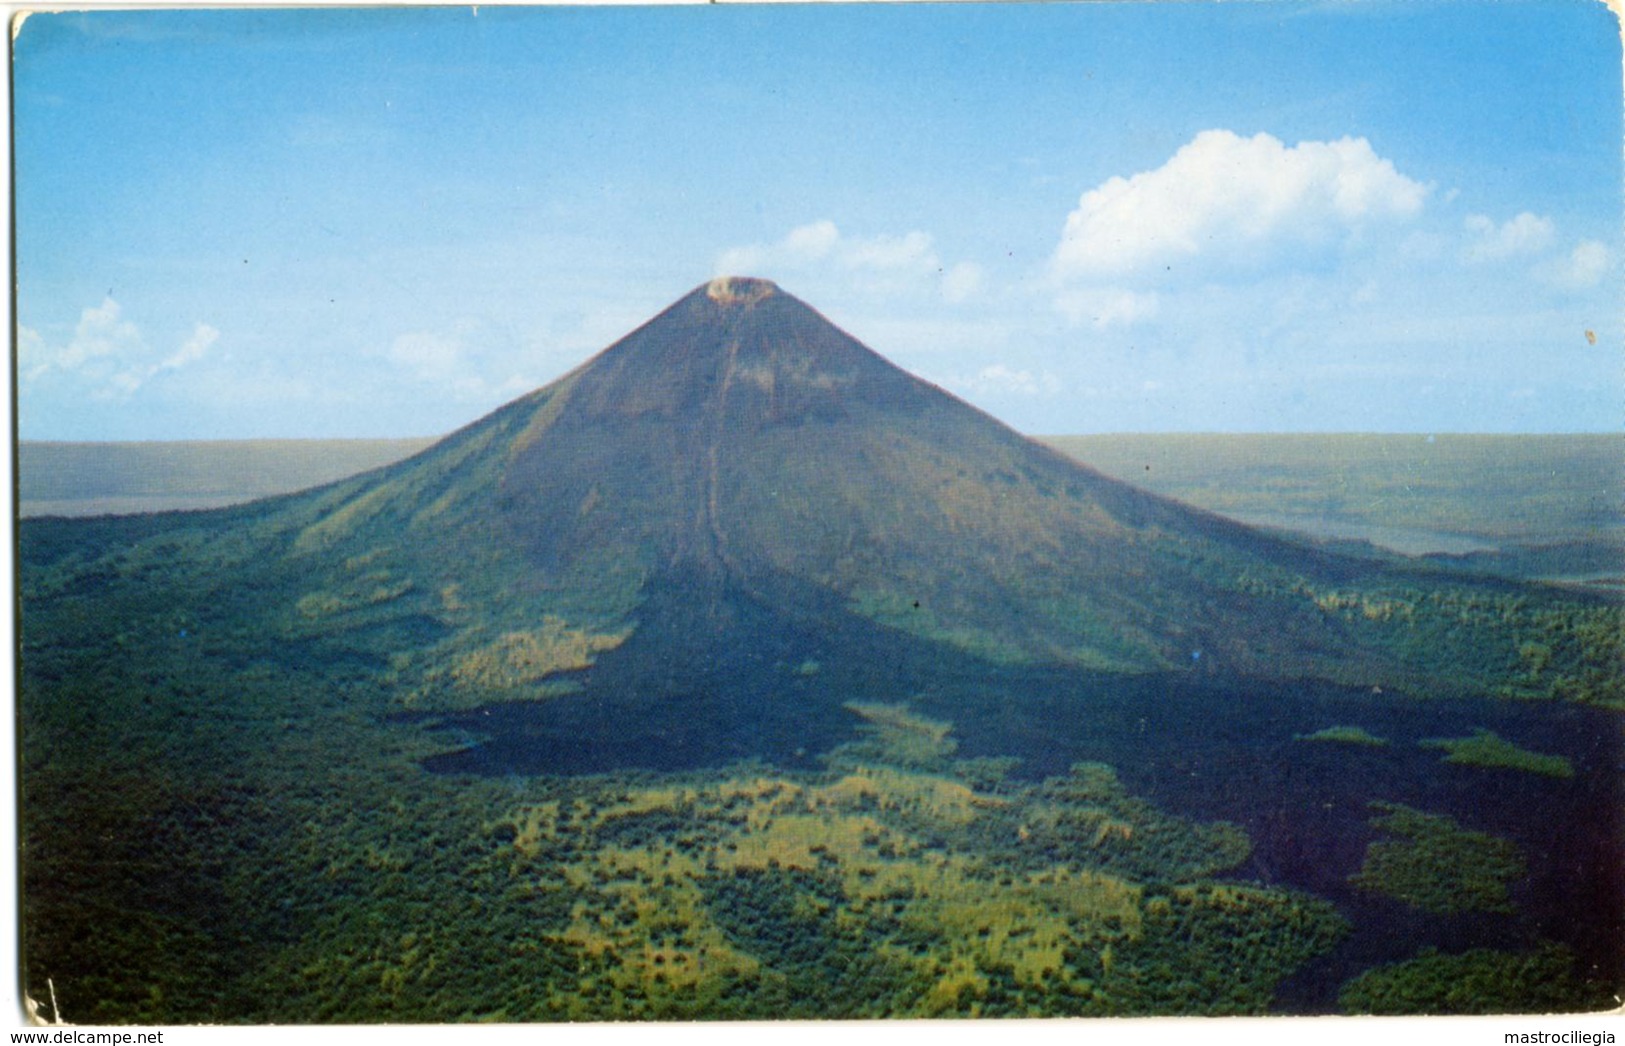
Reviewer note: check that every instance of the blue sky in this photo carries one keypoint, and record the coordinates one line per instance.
(1268, 216)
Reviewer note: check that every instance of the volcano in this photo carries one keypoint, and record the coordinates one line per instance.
(739, 458)
(608, 704)
(739, 448)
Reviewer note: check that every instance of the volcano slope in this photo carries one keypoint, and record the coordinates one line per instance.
(737, 534)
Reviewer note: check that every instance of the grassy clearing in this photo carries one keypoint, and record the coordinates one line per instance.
(1485, 748)
(1345, 735)
(1437, 865)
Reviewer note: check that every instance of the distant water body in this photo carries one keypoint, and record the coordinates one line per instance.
(95, 479)
(1407, 541)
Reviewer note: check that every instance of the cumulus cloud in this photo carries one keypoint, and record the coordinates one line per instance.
(801, 245)
(193, 349)
(102, 334)
(33, 357)
(821, 245)
(1525, 234)
(1580, 269)
(467, 361)
(1532, 237)
(107, 352)
(813, 241)
(137, 374)
(1230, 198)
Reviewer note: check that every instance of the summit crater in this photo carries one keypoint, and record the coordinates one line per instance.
(739, 290)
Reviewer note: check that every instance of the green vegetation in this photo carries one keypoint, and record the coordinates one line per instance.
(284, 859)
(908, 615)
(1481, 981)
(516, 666)
(1437, 865)
(1488, 749)
(1461, 638)
(897, 736)
(877, 890)
(1346, 735)
(1248, 606)
(1128, 834)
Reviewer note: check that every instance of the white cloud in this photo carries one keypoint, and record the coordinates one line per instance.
(137, 374)
(1526, 234)
(742, 261)
(813, 241)
(800, 246)
(1231, 199)
(892, 260)
(822, 240)
(101, 335)
(108, 354)
(202, 339)
(471, 362)
(33, 358)
(1580, 269)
